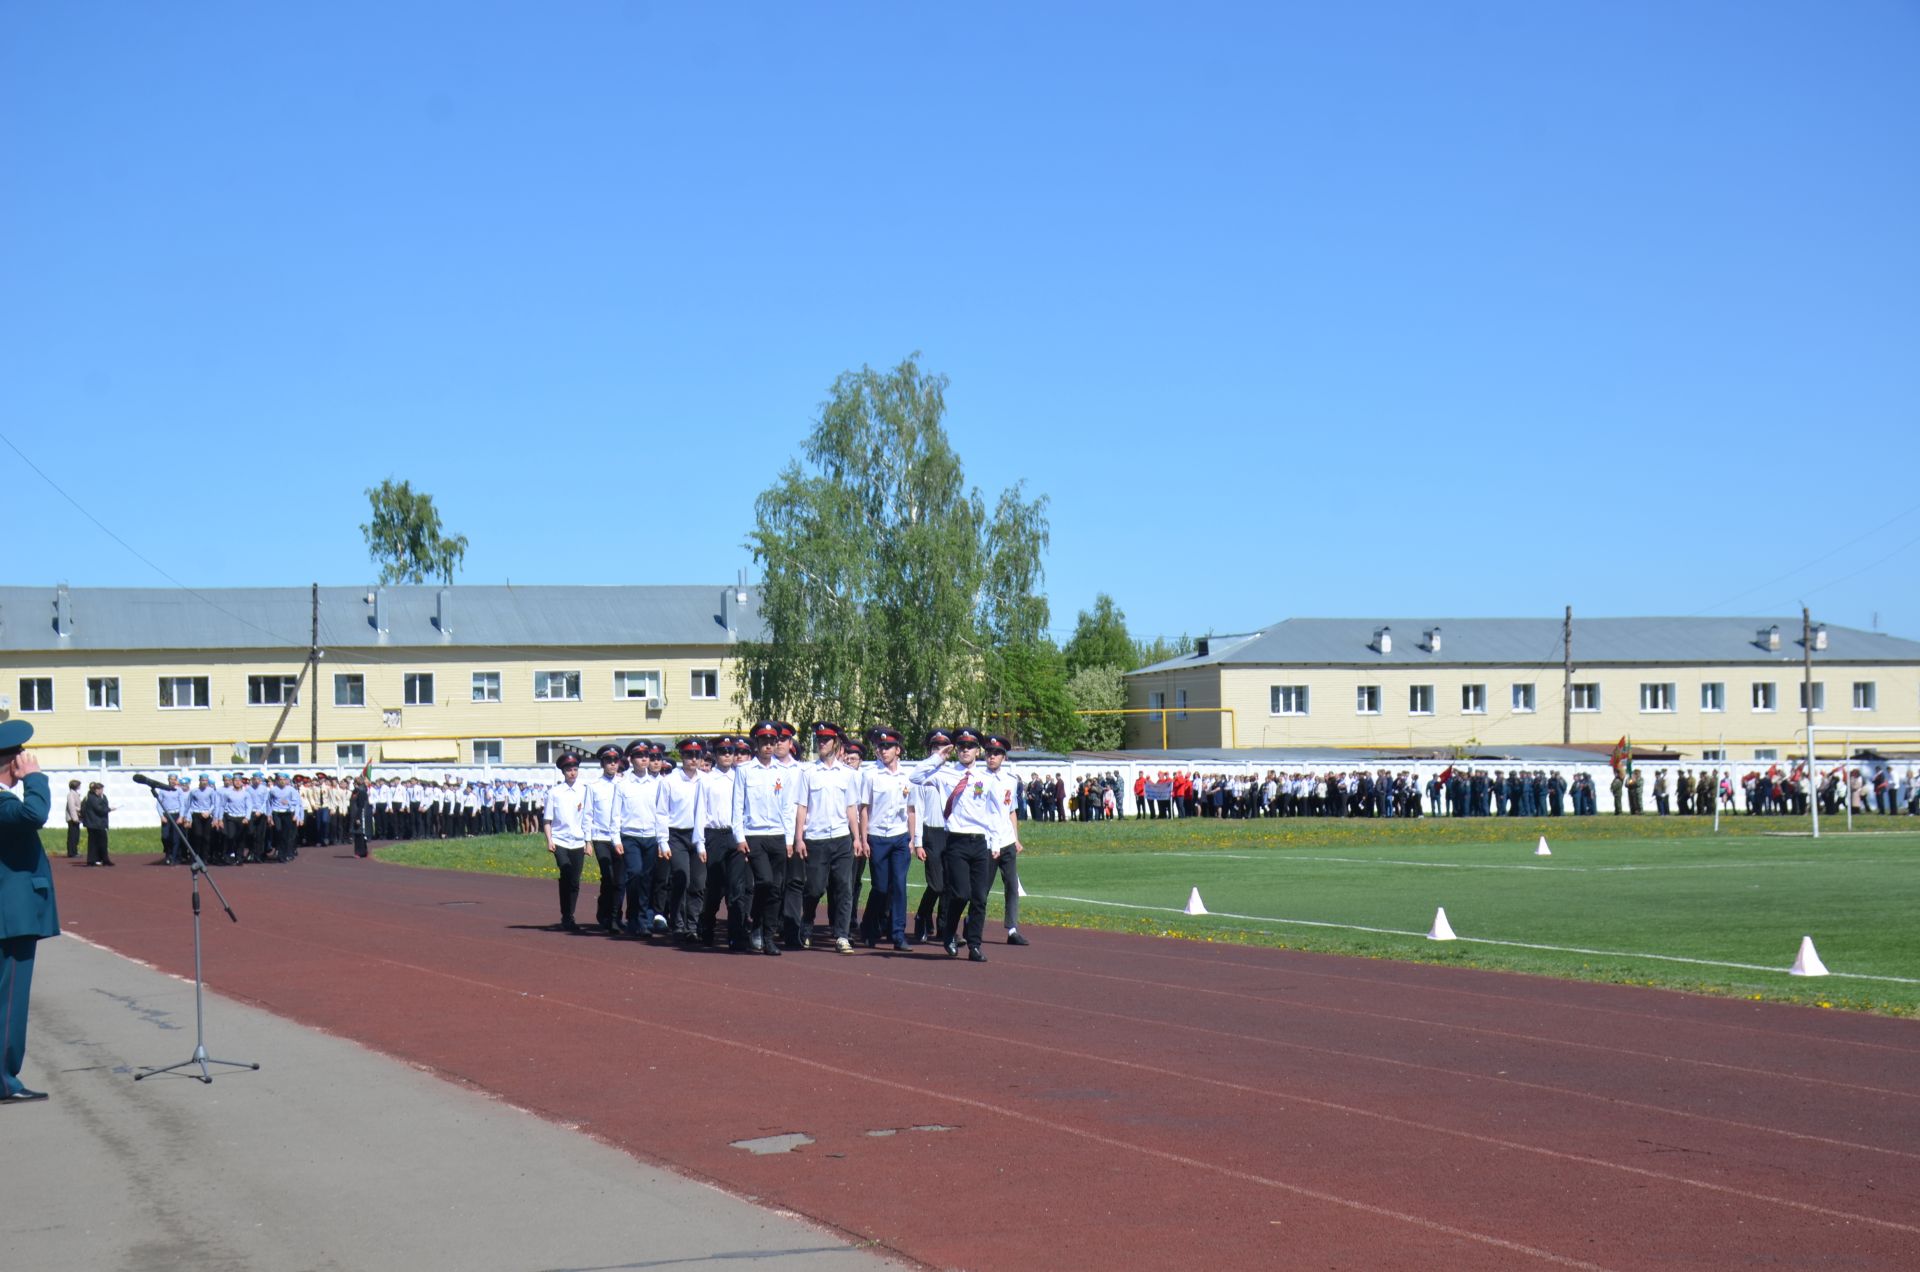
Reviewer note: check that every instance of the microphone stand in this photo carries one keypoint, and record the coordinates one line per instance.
(197, 867)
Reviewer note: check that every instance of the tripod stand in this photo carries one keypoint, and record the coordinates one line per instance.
(197, 867)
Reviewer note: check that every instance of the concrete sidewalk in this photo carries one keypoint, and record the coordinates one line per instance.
(328, 1157)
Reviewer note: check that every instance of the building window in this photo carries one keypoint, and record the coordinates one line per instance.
(285, 754)
(1865, 696)
(706, 684)
(186, 757)
(1766, 753)
(1366, 700)
(1288, 700)
(1586, 697)
(350, 753)
(350, 690)
(1419, 699)
(556, 686)
(1656, 697)
(1156, 703)
(1765, 697)
(631, 685)
(1713, 696)
(1473, 699)
(272, 691)
(1523, 699)
(486, 686)
(103, 693)
(98, 757)
(486, 751)
(419, 687)
(36, 693)
(1713, 754)
(547, 750)
(1180, 704)
(1819, 696)
(184, 693)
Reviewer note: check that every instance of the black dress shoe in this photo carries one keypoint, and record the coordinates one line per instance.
(975, 954)
(901, 946)
(22, 1096)
(953, 948)
(770, 947)
(1014, 938)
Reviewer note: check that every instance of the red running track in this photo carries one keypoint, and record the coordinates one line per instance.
(1106, 1100)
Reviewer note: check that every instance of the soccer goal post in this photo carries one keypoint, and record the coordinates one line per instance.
(1846, 733)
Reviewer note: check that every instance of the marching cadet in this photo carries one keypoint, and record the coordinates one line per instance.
(604, 835)
(236, 811)
(932, 847)
(823, 843)
(567, 834)
(680, 870)
(967, 801)
(283, 803)
(853, 758)
(633, 818)
(889, 830)
(173, 822)
(729, 876)
(203, 812)
(259, 819)
(762, 823)
(1006, 840)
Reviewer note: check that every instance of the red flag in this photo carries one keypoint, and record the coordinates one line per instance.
(1447, 774)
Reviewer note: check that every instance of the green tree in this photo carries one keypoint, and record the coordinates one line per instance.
(1100, 688)
(404, 536)
(1159, 649)
(1100, 638)
(888, 590)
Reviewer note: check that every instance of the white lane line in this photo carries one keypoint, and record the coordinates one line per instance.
(1282, 856)
(1470, 940)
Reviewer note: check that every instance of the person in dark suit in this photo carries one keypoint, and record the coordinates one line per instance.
(28, 913)
(94, 811)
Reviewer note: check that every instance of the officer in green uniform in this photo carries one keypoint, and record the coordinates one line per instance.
(27, 910)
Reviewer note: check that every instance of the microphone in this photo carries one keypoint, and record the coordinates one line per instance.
(144, 780)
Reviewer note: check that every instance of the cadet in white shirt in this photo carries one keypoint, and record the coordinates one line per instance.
(823, 842)
(1006, 862)
(762, 821)
(680, 871)
(729, 877)
(567, 834)
(888, 826)
(932, 847)
(604, 834)
(968, 802)
(634, 797)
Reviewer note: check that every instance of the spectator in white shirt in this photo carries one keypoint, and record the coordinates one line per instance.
(567, 835)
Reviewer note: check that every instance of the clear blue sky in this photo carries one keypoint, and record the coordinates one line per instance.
(1291, 309)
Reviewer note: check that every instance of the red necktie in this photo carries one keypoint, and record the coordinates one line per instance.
(954, 797)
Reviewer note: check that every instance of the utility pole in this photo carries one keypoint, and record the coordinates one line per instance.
(1566, 679)
(1806, 694)
(313, 690)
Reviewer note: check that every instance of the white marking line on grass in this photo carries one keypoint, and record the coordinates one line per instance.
(1473, 940)
(1283, 856)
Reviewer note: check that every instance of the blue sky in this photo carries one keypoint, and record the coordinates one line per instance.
(1370, 309)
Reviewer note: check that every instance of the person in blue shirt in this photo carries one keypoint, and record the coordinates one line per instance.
(173, 822)
(283, 804)
(28, 911)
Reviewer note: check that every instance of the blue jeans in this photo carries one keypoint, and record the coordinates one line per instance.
(637, 884)
(890, 857)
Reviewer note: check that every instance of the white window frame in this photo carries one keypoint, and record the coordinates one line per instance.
(280, 753)
(623, 684)
(483, 681)
(1156, 704)
(694, 685)
(1587, 691)
(1766, 753)
(100, 688)
(412, 682)
(544, 681)
(40, 705)
(1764, 697)
(350, 753)
(1526, 699)
(1657, 697)
(1713, 755)
(97, 757)
(186, 757)
(1713, 697)
(1473, 699)
(1819, 695)
(492, 757)
(257, 687)
(547, 750)
(1415, 694)
(350, 680)
(1366, 700)
(1869, 700)
(1179, 704)
(167, 684)
(1289, 700)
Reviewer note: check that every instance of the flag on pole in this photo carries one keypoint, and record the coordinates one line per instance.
(1622, 757)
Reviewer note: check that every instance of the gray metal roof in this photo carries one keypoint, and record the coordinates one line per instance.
(1522, 642)
(31, 618)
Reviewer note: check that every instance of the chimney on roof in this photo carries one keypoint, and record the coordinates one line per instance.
(1383, 639)
(1819, 635)
(1768, 637)
(62, 612)
(1201, 646)
(733, 602)
(1433, 640)
(443, 614)
(379, 599)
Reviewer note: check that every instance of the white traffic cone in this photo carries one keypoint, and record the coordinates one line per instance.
(1808, 963)
(1543, 850)
(1195, 905)
(1019, 888)
(1441, 930)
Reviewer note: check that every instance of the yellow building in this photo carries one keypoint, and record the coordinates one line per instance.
(1696, 686)
(458, 675)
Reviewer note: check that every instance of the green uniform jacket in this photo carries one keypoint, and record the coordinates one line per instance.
(27, 907)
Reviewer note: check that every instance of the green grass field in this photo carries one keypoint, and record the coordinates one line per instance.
(1645, 901)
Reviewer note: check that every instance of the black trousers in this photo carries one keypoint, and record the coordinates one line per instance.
(97, 846)
(767, 880)
(729, 879)
(934, 840)
(73, 839)
(237, 835)
(826, 870)
(1007, 866)
(257, 836)
(613, 870)
(283, 836)
(200, 833)
(680, 882)
(969, 868)
(570, 862)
